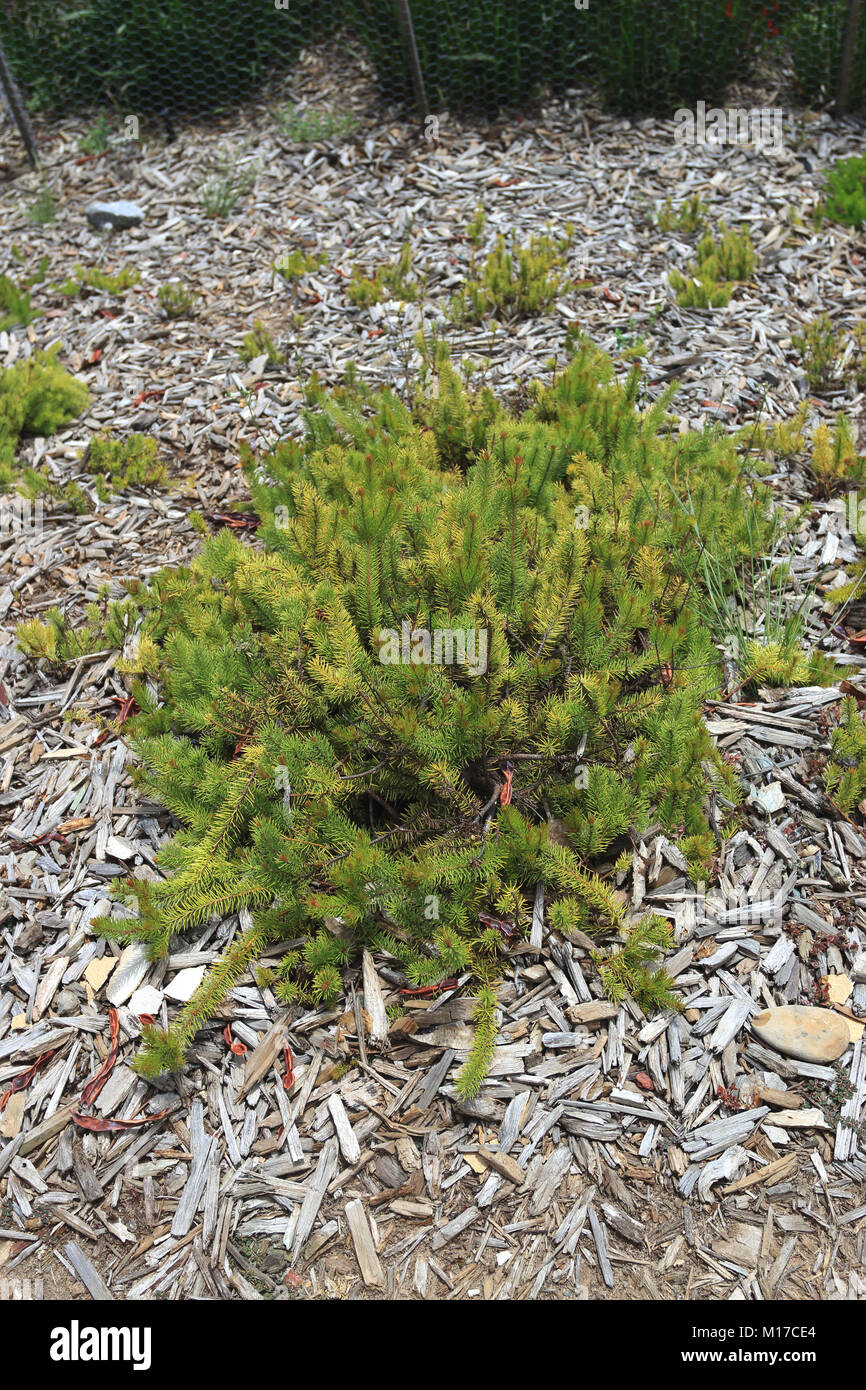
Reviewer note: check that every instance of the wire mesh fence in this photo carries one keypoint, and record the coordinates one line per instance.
(640, 56)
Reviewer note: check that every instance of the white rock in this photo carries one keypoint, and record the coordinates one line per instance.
(185, 983)
(770, 798)
(129, 973)
(118, 848)
(858, 969)
(146, 1000)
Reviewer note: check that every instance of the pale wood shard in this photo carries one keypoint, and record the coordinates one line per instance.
(193, 1192)
(349, 1146)
(90, 1278)
(259, 1062)
(374, 1002)
(503, 1164)
(362, 1239)
(454, 1228)
(314, 1195)
(601, 1247)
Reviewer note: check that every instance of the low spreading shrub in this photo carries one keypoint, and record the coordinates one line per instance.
(464, 658)
(36, 397)
(846, 191)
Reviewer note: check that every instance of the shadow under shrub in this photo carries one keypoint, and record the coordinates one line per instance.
(349, 787)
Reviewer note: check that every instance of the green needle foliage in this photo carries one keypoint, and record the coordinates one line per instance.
(337, 769)
(390, 281)
(15, 307)
(512, 286)
(102, 281)
(36, 397)
(845, 773)
(690, 216)
(176, 299)
(121, 463)
(718, 265)
(846, 191)
(259, 343)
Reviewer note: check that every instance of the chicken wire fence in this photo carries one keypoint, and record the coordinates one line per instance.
(180, 58)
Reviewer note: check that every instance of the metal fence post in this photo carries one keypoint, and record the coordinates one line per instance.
(404, 15)
(849, 45)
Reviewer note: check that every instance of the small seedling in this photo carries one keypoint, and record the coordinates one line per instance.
(43, 208)
(15, 307)
(297, 263)
(259, 343)
(101, 281)
(820, 347)
(513, 285)
(717, 267)
(121, 463)
(97, 139)
(221, 193)
(475, 230)
(689, 217)
(846, 192)
(176, 299)
(835, 461)
(390, 281)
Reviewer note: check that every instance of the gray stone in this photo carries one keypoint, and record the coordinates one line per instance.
(67, 1002)
(116, 216)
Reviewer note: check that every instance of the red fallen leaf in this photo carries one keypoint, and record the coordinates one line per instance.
(150, 393)
(23, 1080)
(613, 298)
(374, 333)
(106, 314)
(858, 638)
(292, 1278)
(238, 1048)
(644, 1081)
(238, 521)
(97, 1125)
(96, 1083)
(126, 707)
(719, 405)
(849, 688)
(147, 1020)
(430, 989)
(500, 924)
(4, 698)
(95, 356)
(289, 1077)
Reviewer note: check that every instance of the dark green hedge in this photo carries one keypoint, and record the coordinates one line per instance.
(644, 56)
